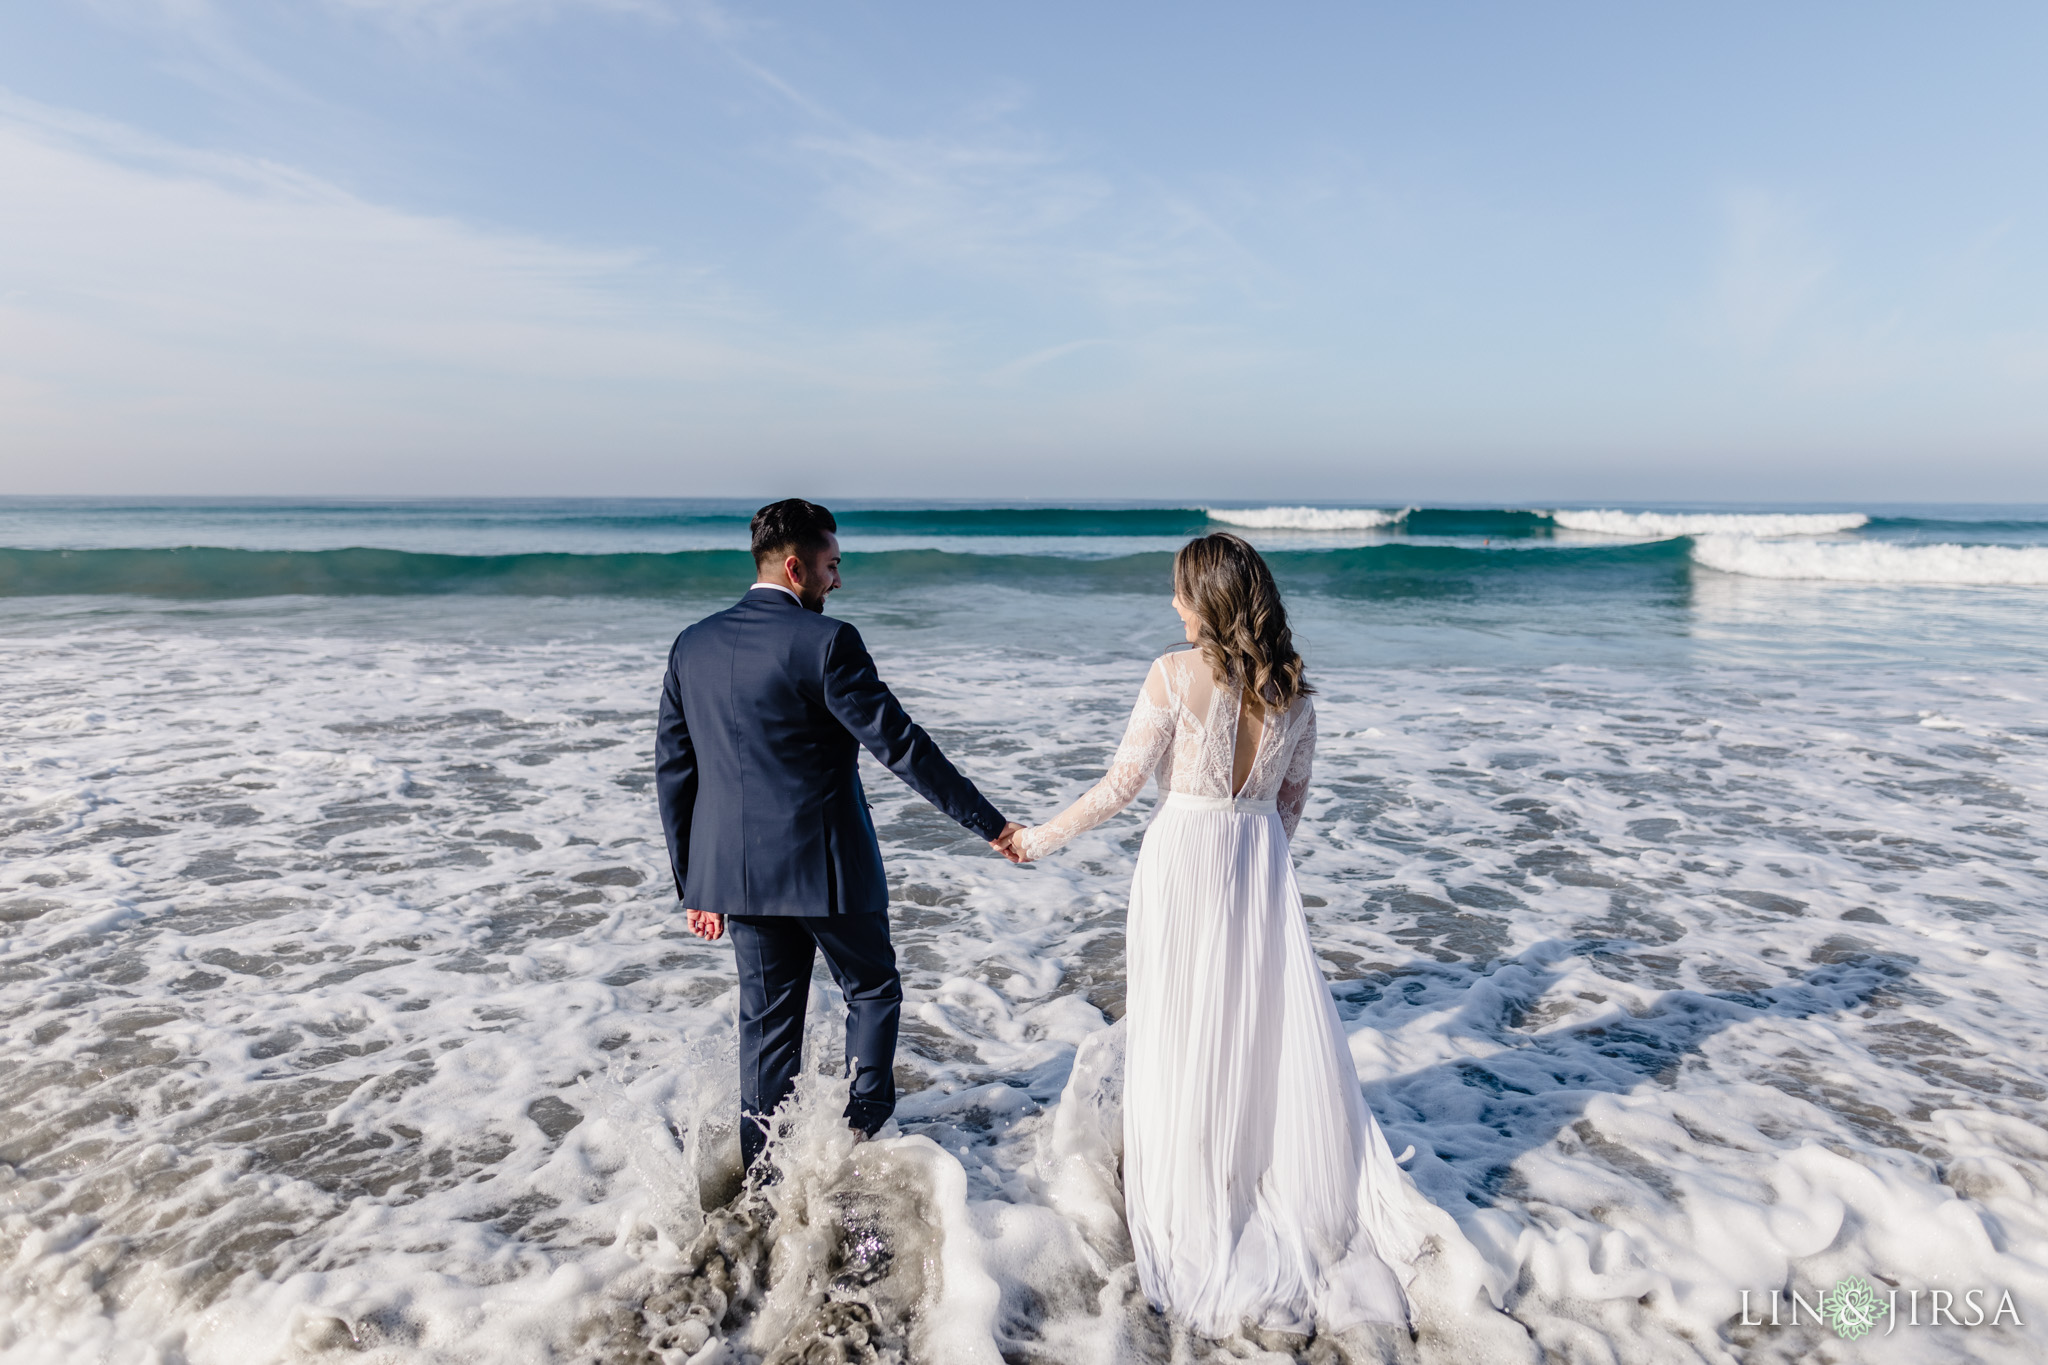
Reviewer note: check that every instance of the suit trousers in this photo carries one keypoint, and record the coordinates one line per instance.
(775, 955)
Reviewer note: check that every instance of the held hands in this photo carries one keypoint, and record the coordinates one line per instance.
(710, 926)
(1007, 845)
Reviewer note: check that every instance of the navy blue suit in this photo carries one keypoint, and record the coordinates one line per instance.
(764, 710)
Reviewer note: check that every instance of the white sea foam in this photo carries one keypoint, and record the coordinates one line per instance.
(343, 1005)
(1666, 524)
(1875, 561)
(1307, 518)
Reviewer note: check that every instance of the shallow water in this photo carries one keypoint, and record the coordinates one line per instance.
(1692, 938)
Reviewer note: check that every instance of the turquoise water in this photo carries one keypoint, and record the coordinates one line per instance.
(1458, 585)
(591, 524)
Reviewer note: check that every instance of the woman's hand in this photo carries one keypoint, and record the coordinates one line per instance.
(1007, 843)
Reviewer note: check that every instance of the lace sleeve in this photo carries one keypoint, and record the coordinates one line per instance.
(1144, 744)
(1293, 793)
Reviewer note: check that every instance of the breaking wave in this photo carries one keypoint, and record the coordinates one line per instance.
(1874, 561)
(1307, 518)
(1614, 523)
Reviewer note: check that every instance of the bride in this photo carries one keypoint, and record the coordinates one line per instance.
(1257, 1185)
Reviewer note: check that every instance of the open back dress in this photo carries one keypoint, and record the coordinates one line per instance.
(1257, 1185)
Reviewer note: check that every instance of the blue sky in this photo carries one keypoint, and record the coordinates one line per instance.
(1458, 251)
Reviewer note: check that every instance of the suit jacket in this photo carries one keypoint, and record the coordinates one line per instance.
(763, 713)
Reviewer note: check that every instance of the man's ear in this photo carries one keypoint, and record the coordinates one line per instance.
(793, 570)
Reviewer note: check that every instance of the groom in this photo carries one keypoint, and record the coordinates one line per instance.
(764, 711)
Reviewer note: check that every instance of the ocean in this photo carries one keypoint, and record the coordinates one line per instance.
(1677, 871)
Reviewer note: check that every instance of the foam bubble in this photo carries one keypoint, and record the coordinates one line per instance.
(1306, 518)
(1665, 524)
(1875, 561)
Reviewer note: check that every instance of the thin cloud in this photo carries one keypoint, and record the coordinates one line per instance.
(1782, 297)
(208, 301)
(984, 193)
(448, 18)
(1771, 270)
(199, 42)
(1023, 365)
(987, 200)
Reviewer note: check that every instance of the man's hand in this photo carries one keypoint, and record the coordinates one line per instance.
(705, 925)
(1006, 843)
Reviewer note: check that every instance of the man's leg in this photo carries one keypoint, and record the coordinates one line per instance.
(775, 954)
(863, 962)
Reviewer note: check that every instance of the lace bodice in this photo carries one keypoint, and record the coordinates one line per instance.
(1184, 731)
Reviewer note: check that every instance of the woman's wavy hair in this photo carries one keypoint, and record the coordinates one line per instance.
(1244, 635)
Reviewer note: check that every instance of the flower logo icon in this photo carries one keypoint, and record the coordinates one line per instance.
(1851, 1307)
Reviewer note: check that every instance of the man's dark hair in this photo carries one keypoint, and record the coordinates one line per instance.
(789, 527)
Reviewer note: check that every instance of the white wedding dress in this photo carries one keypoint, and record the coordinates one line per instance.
(1257, 1185)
